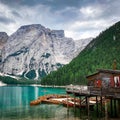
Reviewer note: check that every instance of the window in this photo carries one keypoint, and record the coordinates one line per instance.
(117, 81)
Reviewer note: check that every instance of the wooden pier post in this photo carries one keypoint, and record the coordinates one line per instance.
(97, 106)
(119, 108)
(106, 110)
(74, 102)
(80, 101)
(115, 108)
(80, 105)
(86, 104)
(67, 104)
(101, 106)
(111, 108)
(88, 108)
(67, 107)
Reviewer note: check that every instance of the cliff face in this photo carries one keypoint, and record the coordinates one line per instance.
(34, 51)
(101, 53)
(3, 39)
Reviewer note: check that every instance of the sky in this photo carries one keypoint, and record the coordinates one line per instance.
(78, 18)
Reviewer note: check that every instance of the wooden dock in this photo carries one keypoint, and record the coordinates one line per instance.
(103, 86)
(82, 90)
(101, 95)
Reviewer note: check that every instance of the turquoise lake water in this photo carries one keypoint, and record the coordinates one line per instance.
(15, 100)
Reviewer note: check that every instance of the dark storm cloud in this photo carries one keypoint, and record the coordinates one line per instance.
(62, 5)
(5, 20)
(74, 16)
(112, 9)
(64, 17)
(54, 4)
(16, 14)
(12, 2)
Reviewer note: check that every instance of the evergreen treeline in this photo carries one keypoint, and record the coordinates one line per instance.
(9, 80)
(100, 53)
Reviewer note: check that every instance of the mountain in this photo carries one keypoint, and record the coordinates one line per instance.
(33, 51)
(3, 40)
(99, 53)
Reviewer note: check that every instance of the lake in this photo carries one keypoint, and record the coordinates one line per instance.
(15, 100)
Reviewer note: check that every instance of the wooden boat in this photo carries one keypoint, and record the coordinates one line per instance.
(65, 100)
(35, 102)
(71, 103)
(53, 99)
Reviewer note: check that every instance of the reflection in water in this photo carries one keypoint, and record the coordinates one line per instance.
(14, 96)
(36, 92)
(14, 105)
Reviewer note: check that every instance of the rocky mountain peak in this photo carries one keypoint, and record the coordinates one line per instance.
(37, 26)
(3, 37)
(58, 33)
(41, 30)
(34, 51)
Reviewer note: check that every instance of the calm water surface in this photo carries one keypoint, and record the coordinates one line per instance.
(14, 104)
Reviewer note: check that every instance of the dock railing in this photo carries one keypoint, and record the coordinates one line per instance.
(78, 89)
(92, 90)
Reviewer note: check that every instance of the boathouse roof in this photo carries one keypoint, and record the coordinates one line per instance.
(110, 71)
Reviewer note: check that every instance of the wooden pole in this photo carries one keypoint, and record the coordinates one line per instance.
(101, 105)
(86, 104)
(97, 106)
(80, 106)
(80, 101)
(67, 107)
(67, 104)
(119, 108)
(74, 102)
(88, 108)
(115, 108)
(111, 107)
(106, 110)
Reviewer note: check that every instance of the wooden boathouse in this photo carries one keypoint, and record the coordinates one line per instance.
(104, 86)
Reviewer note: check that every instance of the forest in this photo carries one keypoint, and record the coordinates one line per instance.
(99, 53)
(12, 81)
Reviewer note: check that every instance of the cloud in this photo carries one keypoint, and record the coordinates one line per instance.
(11, 18)
(94, 18)
(6, 20)
(16, 14)
(91, 11)
(79, 19)
(36, 15)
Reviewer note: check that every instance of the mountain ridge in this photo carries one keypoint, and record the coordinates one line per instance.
(33, 51)
(99, 53)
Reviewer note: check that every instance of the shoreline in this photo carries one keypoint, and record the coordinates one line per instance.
(2, 84)
(33, 85)
(51, 86)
